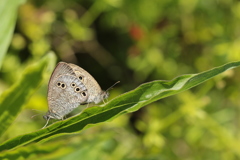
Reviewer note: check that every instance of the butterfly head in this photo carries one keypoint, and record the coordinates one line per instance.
(103, 95)
(46, 117)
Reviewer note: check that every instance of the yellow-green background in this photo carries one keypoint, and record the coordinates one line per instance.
(135, 42)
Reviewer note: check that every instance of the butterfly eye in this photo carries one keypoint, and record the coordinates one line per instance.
(84, 94)
(73, 84)
(63, 86)
(77, 89)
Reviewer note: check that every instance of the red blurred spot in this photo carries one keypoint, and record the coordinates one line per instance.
(136, 32)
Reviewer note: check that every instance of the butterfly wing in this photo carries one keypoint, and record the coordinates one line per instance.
(65, 91)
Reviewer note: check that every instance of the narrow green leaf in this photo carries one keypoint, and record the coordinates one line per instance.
(8, 16)
(125, 103)
(12, 100)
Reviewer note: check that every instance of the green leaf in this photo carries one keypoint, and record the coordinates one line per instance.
(125, 103)
(8, 16)
(12, 100)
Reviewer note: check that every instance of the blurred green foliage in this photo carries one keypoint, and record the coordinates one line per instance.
(135, 42)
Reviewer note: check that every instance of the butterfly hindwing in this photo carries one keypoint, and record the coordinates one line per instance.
(67, 93)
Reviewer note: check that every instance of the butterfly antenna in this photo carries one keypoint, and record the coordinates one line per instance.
(46, 123)
(112, 86)
(35, 115)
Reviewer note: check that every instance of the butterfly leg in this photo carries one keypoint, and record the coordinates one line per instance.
(46, 123)
(104, 101)
(64, 117)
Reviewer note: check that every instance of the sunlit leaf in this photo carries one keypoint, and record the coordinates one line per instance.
(13, 99)
(8, 15)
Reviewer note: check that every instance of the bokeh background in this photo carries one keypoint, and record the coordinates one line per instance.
(135, 42)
